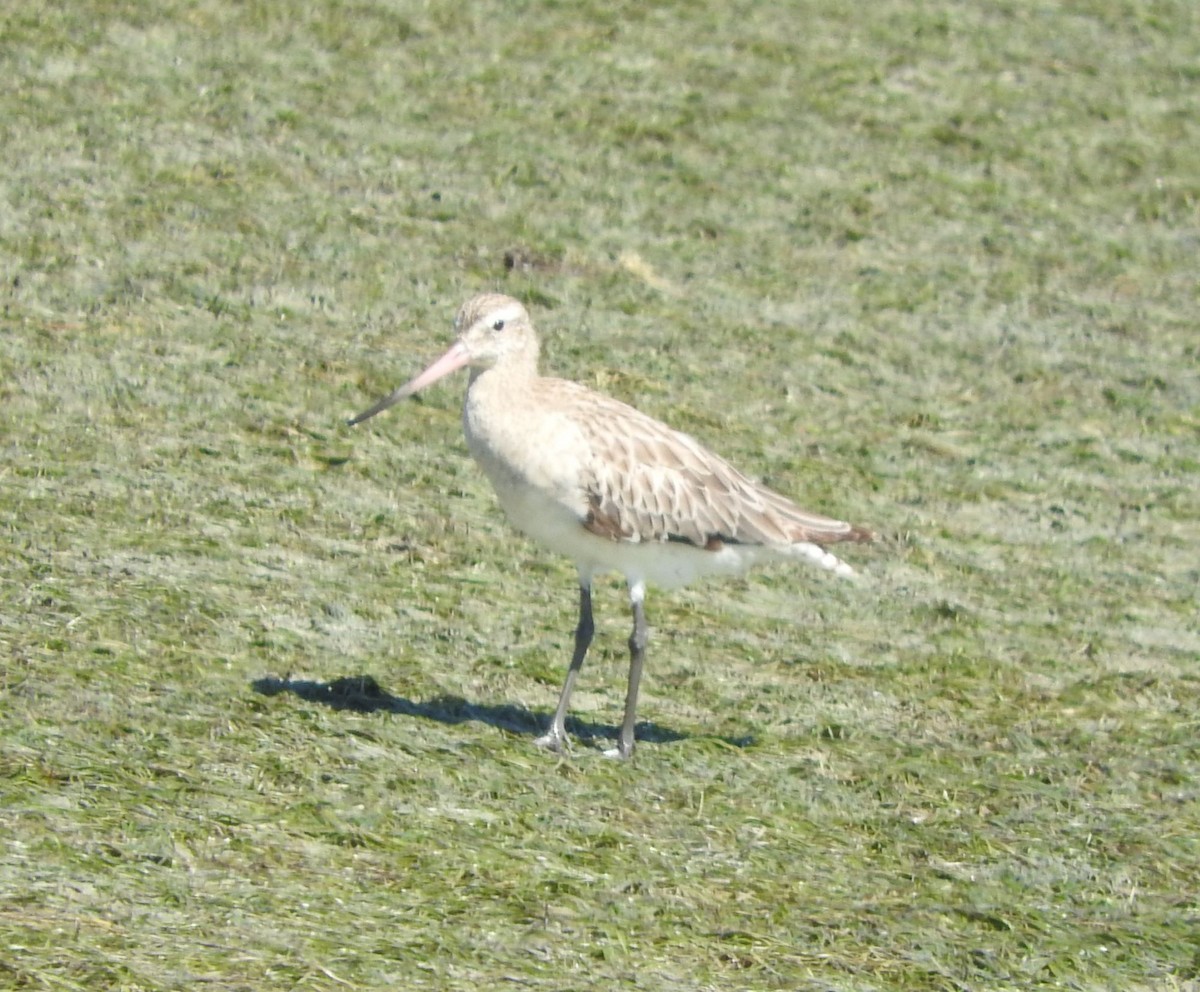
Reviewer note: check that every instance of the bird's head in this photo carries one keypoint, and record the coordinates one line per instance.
(492, 329)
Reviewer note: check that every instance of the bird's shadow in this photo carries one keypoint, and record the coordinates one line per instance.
(362, 694)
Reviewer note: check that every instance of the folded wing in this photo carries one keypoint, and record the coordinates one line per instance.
(645, 482)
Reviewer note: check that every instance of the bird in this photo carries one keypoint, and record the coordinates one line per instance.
(610, 487)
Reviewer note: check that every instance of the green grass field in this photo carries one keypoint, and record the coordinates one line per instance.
(268, 685)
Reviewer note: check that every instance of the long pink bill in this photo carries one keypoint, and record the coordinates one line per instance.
(454, 359)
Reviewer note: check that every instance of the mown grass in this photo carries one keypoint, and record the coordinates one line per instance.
(269, 685)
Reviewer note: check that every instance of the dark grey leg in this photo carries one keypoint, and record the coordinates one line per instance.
(556, 737)
(637, 654)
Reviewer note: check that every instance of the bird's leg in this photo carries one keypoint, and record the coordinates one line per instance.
(637, 654)
(556, 737)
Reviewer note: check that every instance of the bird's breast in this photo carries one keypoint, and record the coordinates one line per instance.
(532, 453)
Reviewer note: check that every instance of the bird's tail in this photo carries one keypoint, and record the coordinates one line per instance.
(817, 555)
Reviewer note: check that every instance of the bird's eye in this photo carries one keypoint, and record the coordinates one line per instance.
(498, 326)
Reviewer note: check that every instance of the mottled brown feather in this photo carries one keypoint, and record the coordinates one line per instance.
(645, 482)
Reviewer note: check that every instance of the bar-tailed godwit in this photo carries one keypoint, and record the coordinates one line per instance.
(608, 486)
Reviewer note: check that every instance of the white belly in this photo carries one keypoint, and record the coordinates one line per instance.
(666, 564)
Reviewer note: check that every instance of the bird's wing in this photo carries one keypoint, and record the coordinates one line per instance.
(644, 481)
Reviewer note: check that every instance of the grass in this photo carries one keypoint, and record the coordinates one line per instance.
(269, 685)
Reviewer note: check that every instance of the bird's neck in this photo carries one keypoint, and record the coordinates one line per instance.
(516, 373)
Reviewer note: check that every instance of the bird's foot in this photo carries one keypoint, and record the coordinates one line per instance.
(552, 740)
(619, 753)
